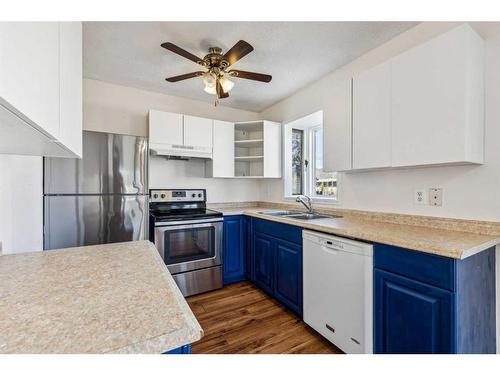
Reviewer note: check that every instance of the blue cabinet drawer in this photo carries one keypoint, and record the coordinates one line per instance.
(278, 230)
(431, 269)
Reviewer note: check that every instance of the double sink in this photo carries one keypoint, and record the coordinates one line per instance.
(298, 215)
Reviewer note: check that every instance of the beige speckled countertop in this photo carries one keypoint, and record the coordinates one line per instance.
(453, 238)
(115, 298)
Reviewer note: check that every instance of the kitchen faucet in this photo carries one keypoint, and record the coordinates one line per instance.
(308, 204)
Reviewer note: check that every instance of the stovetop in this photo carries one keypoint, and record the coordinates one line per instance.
(183, 214)
(179, 204)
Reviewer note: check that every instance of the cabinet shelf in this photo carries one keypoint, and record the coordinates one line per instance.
(249, 158)
(249, 143)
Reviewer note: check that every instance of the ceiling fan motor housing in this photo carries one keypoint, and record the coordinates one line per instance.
(214, 58)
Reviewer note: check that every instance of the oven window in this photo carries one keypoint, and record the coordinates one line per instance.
(184, 245)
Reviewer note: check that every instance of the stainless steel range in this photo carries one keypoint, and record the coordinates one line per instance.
(188, 237)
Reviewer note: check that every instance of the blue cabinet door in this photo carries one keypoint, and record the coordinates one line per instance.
(288, 275)
(234, 249)
(411, 316)
(263, 261)
(248, 248)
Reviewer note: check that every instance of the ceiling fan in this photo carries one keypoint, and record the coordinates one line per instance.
(216, 77)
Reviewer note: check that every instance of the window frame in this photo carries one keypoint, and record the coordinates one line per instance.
(308, 124)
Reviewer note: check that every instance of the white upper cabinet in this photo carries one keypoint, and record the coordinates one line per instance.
(422, 107)
(223, 151)
(29, 71)
(71, 101)
(40, 88)
(197, 131)
(272, 149)
(174, 134)
(337, 129)
(371, 118)
(165, 128)
(437, 107)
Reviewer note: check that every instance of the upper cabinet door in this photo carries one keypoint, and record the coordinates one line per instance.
(198, 131)
(165, 128)
(337, 129)
(272, 149)
(70, 57)
(437, 91)
(371, 118)
(29, 72)
(223, 151)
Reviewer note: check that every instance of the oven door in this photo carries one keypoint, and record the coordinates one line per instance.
(190, 245)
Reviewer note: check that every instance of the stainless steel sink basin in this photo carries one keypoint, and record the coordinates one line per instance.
(298, 215)
(309, 216)
(281, 213)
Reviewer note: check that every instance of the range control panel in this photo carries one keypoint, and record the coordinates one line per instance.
(168, 195)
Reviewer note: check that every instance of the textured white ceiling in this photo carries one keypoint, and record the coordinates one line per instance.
(294, 53)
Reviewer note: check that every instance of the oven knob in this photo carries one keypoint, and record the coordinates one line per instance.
(155, 195)
(193, 195)
(163, 195)
(199, 195)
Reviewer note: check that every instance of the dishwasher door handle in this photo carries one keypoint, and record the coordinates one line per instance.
(330, 248)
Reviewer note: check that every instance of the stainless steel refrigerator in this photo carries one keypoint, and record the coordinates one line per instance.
(101, 198)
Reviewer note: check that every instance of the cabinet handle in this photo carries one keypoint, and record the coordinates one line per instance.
(330, 328)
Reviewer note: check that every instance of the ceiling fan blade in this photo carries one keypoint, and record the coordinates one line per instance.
(237, 51)
(184, 76)
(182, 52)
(220, 91)
(250, 75)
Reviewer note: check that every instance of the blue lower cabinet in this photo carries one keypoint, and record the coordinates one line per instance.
(425, 303)
(411, 317)
(263, 262)
(288, 275)
(234, 249)
(186, 349)
(248, 246)
(275, 259)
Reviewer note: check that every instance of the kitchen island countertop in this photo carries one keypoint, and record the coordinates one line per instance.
(114, 298)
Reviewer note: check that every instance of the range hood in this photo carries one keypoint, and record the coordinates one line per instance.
(180, 151)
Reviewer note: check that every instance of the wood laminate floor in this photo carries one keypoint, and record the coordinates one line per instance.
(242, 319)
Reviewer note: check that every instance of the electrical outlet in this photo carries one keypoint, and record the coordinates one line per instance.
(420, 197)
(436, 196)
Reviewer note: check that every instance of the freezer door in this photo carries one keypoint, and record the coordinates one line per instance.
(89, 219)
(111, 164)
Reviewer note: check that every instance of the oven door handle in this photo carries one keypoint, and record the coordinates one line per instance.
(187, 226)
(186, 222)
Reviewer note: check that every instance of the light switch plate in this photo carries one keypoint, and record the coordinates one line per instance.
(436, 196)
(420, 197)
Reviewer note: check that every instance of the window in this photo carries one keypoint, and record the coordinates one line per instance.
(297, 161)
(324, 183)
(304, 172)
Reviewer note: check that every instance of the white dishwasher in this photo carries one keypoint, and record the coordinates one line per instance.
(338, 288)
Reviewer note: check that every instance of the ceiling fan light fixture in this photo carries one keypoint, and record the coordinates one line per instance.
(209, 80)
(210, 90)
(227, 84)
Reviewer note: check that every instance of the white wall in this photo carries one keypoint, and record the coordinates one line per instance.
(120, 109)
(189, 174)
(21, 206)
(124, 110)
(471, 192)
